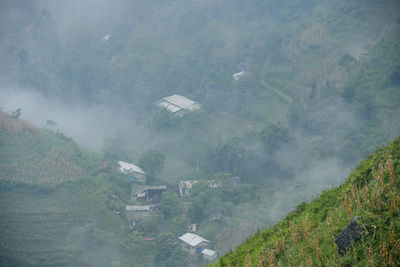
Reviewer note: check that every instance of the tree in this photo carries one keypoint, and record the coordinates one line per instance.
(227, 157)
(51, 124)
(168, 252)
(273, 136)
(152, 162)
(16, 113)
(179, 225)
(169, 204)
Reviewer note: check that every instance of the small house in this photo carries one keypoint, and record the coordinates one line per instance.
(178, 104)
(151, 193)
(237, 75)
(135, 213)
(185, 187)
(192, 227)
(209, 255)
(193, 243)
(218, 216)
(131, 169)
(213, 184)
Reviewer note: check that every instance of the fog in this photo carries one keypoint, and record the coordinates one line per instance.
(89, 126)
(56, 65)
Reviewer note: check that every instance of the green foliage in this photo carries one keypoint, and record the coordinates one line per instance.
(273, 136)
(169, 252)
(152, 162)
(371, 192)
(227, 157)
(168, 205)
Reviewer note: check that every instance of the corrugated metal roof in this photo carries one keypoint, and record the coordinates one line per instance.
(165, 104)
(140, 208)
(192, 239)
(173, 108)
(126, 167)
(208, 252)
(182, 102)
(156, 187)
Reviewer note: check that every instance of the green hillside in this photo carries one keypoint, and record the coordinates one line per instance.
(57, 202)
(40, 156)
(306, 237)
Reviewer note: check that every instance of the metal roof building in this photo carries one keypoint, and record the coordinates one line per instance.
(126, 167)
(143, 208)
(177, 104)
(193, 240)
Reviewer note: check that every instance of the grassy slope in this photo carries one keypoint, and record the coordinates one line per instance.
(39, 156)
(306, 236)
(56, 219)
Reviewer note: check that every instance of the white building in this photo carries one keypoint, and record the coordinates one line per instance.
(209, 255)
(132, 169)
(107, 38)
(213, 184)
(193, 243)
(237, 75)
(185, 187)
(178, 104)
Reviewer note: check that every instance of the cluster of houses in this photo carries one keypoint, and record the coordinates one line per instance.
(147, 196)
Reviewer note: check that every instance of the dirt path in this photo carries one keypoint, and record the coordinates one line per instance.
(283, 96)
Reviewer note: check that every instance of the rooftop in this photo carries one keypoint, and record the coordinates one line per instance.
(176, 102)
(187, 184)
(192, 239)
(208, 252)
(140, 208)
(126, 167)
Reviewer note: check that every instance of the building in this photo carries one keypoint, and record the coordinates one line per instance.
(136, 214)
(185, 187)
(151, 193)
(131, 169)
(209, 255)
(193, 243)
(192, 227)
(218, 216)
(237, 75)
(213, 184)
(178, 104)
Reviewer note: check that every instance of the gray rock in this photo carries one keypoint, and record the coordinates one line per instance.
(351, 234)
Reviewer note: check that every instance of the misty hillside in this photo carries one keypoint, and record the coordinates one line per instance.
(250, 107)
(55, 200)
(40, 156)
(308, 235)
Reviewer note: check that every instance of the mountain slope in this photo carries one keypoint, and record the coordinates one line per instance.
(58, 203)
(33, 155)
(306, 237)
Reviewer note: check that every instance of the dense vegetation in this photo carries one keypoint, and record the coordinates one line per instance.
(306, 237)
(319, 91)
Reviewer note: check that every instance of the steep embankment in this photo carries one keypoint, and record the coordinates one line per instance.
(306, 237)
(57, 202)
(38, 156)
